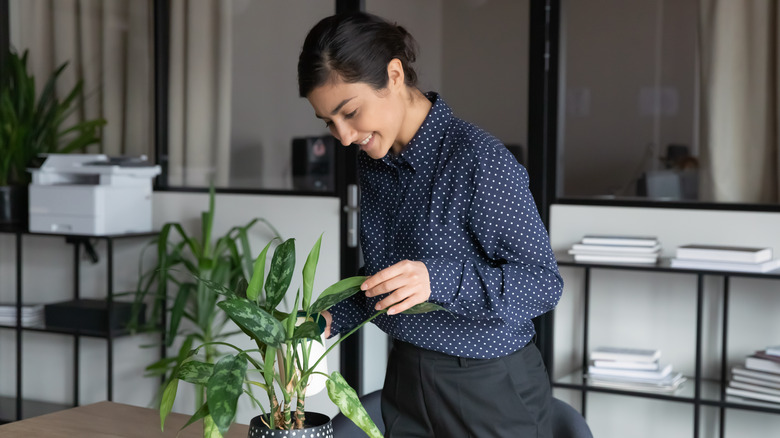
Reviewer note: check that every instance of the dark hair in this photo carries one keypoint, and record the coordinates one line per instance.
(357, 47)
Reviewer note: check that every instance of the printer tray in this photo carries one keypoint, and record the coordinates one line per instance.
(88, 316)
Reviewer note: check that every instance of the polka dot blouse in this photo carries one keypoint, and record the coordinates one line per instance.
(457, 200)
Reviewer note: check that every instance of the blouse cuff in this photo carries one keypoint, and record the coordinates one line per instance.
(445, 280)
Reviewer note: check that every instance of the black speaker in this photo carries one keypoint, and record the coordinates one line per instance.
(313, 165)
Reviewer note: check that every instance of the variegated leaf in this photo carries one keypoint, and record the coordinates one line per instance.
(336, 292)
(349, 404)
(423, 308)
(195, 372)
(308, 330)
(223, 389)
(254, 321)
(281, 273)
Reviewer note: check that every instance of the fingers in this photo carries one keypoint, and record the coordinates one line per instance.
(407, 282)
(402, 299)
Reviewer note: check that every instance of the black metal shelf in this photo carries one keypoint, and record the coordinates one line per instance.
(23, 408)
(697, 390)
(65, 331)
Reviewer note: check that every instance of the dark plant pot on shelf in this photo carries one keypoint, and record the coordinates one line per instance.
(13, 206)
(316, 425)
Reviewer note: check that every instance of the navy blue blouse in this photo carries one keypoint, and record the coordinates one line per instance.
(457, 200)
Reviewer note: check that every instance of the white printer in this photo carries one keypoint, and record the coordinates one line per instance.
(92, 194)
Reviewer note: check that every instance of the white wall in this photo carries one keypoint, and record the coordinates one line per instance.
(658, 310)
(47, 277)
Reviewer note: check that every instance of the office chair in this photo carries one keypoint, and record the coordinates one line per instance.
(343, 427)
(566, 421)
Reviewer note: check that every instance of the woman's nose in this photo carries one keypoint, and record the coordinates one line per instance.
(345, 134)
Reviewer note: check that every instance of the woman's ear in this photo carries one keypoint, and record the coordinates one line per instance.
(395, 74)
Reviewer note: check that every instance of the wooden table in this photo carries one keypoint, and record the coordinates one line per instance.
(109, 419)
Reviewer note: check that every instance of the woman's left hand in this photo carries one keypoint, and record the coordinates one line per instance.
(408, 281)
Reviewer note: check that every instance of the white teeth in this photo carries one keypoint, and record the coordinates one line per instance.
(365, 142)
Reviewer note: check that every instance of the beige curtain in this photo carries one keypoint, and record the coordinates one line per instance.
(200, 89)
(108, 44)
(739, 44)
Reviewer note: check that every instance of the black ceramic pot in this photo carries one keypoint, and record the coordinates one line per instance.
(13, 206)
(316, 426)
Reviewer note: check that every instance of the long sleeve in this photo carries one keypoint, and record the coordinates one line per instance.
(518, 277)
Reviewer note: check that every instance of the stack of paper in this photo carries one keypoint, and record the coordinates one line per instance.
(759, 379)
(725, 258)
(32, 315)
(632, 369)
(617, 249)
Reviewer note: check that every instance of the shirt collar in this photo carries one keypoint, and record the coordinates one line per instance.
(422, 149)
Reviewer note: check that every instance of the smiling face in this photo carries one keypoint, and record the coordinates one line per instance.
(375, 120)
(356, 113)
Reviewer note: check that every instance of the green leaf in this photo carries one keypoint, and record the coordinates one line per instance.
(169, 395)
(349, 404)
(336, 292)
(281, 273)
(308, 273)
(195, 372)
(177, 311)
(200, 413)
(254, 321)
(423, 308)
(223, 389)
(307, 330)
(256, 282)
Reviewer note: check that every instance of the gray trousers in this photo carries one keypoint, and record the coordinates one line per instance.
(430, 394)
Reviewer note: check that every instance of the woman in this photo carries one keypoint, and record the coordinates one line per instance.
(446, 217)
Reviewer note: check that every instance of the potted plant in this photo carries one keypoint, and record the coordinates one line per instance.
(186, 306)
(31, 125)
(282, 364)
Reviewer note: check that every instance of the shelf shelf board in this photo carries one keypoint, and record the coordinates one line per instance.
(683, 394)
(710, 393)
(64, 331)
(663, 265)
(30, 408)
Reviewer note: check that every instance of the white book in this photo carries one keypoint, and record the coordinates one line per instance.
(759, 364)
(752, 394)
(669, 385)
(773, 350)
(767, 383)
(768, 266)
(620, 240)
(716, 253)
(771, 377)
(753, 387)
(626, 365)
(613, 249)
(625, 354)
(644, 375)
(598, 258)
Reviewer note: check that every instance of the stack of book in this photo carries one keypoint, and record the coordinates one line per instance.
(759, 378)
(725, 258)
(632, 369)
(617, 249)
(32, 315)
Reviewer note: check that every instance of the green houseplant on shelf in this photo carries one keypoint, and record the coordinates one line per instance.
(283, 364)
(186, 305)
(32, 123)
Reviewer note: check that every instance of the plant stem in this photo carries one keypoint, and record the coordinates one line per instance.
(309, 371)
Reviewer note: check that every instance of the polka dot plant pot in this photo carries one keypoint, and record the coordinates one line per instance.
(316, 426)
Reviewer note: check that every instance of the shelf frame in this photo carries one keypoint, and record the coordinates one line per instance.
(78, 241)
(723, 402)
